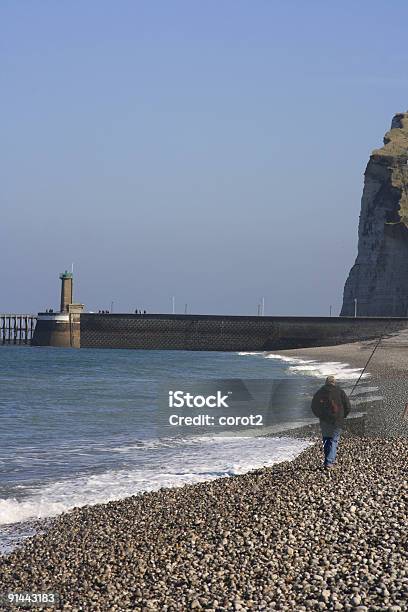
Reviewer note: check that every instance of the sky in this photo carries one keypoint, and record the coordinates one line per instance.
(212, 151)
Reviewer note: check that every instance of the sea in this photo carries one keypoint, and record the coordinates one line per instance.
(83, 427)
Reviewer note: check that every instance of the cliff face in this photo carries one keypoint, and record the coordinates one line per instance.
(379, 277)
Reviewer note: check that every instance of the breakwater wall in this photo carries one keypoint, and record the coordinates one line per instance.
(209, 332)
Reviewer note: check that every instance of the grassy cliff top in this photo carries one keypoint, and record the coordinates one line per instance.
(394, 154)
(396, 140)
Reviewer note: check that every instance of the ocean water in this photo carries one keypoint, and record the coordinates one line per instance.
(80, 427)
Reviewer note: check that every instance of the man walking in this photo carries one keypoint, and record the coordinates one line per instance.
(331, 405)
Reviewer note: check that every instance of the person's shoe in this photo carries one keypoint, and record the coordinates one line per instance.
(329, 466)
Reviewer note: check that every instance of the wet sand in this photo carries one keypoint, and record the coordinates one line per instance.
(390, 359)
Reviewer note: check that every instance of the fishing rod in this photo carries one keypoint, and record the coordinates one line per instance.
(368, 361)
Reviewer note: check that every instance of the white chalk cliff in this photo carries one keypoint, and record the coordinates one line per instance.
(379, 277)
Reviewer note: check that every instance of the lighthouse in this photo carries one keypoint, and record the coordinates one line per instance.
(60, 328)
(66, 290)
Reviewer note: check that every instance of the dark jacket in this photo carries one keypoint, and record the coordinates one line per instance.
(331, 405)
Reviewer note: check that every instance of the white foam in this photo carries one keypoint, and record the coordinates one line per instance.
(310, 367)
(285, 358)
(205, 459)
(342, 371)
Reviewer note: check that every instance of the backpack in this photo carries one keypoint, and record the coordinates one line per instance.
(334, 407)
(329, 408)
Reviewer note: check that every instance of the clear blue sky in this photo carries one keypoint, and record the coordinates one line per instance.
(209, 150)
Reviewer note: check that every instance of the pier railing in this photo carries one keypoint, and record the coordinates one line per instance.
(17, 328)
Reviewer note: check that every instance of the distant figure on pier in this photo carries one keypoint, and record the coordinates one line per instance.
(331, 405)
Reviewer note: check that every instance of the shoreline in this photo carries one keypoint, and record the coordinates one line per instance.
(92, 539)
(290, 536)
(15, 536)
(300, 431)
(191, 460)
(389, 360)
(388, 370)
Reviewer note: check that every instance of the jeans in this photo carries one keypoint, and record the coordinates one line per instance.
(330, 444)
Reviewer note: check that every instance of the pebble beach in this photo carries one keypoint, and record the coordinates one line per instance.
(289, 537)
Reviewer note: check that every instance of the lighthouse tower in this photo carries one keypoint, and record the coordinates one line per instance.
(66, 290)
